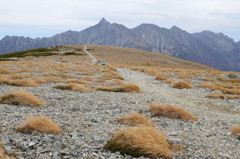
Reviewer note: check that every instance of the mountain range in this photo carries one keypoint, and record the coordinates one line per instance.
(212, 49)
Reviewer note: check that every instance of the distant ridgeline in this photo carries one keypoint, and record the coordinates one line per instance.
(208, 48)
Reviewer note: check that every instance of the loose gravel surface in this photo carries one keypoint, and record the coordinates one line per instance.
(88, 121)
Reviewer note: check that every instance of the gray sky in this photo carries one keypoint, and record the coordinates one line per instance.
(44, 18)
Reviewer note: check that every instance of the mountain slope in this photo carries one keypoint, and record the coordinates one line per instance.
(208, 48)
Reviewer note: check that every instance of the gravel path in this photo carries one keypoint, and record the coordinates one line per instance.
(94, 60)
(88, 121)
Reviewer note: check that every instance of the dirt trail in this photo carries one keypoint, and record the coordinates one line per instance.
(94, 60)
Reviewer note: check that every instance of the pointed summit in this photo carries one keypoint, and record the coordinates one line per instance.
(103, 21)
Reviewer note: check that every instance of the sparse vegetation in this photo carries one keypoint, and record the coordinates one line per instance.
(181, 85)
(33, 52)
(79, 81)
(125, 87)
(20, 98)
(111, 75)
(135, 119)
(40, 124)
(170, 111)
(140, 141)
(222, 96)
(235, 130)
(24, 83)
(72, 87)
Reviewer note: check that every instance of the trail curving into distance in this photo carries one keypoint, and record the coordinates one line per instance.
(94, 60)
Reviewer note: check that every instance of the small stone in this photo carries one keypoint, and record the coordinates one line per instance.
(173, 134)
(174, 140)
(8, 149)
(31, 144)
(65, 151)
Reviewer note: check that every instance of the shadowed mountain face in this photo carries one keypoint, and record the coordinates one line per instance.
(208, 48)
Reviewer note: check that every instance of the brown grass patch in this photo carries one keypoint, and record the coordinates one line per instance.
(235, 130)
(20, 98)
(135, 119)
(125, 87)
(181, 85)
(170, 111)
(20, 76)
(140, 141)
(4, 80)
(161, 77)
(221, 96)
(4, 70)
(79, 81)
(23, 83)
(72, 87)
(168, 81)
(40, 124)
(111, 75)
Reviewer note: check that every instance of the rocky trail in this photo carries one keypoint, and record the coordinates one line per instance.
(94, 60)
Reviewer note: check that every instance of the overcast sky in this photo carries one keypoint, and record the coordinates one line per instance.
(44, 18)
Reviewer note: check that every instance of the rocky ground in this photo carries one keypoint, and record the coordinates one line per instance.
(88, 121)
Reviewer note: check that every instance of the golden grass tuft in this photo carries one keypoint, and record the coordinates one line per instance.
(4, 80)
(140, 141)
(4, 70)
(235, 130)
(72, 87)
(20, 98)
(24, 83)
(79, 81)
(135, 119)
(131, 87)
(125, 87)
(161, 77)
(111, 75)
(221, 96)
(170, 111)
(40, 124)
(181, 85)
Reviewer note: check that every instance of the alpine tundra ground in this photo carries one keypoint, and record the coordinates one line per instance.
(59, 102)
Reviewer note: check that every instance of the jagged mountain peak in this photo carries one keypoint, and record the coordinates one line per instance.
(104, 21)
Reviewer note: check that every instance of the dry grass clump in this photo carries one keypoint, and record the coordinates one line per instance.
(125, 87)
(235, 130)
(221, 96)
(4, 80)
(24, 83)
(135, 119)
(79, 81)
(181, 85)
(72, 87)
(207, 85)
(40, 124)
(116, 83)
(170, 111)
(111, 75)
(140, 141)
(148, 70)
(20, 98)
(40, 80)
(20, 76)
(221, 87)
(131, 87)
(161, 77)
(4, 70)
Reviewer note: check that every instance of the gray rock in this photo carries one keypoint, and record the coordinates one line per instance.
(234, 76)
